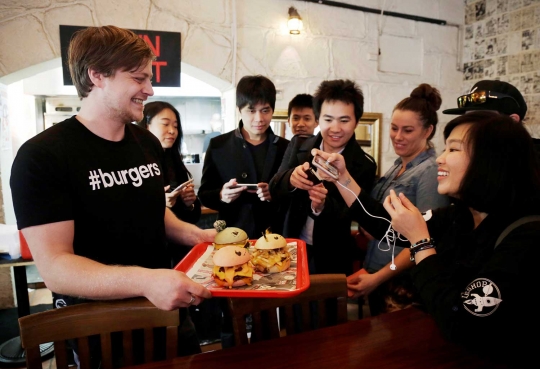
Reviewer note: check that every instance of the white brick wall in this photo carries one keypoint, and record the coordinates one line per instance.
(335, 42)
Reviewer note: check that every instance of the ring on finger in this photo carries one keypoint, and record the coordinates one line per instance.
(192, 300)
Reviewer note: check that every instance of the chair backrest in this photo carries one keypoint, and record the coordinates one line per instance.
(101, 318)
(324, 303)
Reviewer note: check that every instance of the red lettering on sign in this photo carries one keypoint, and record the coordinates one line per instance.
(158, 65)
(156, 49)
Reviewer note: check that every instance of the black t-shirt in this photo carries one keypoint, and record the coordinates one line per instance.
(113, 191)
(258, 153)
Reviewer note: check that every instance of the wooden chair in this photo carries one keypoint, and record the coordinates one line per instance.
(361, 242)
(360, 253)
(328, 292)
(102, 318)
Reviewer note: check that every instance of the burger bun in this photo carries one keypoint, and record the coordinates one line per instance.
(237, 283)
(270, 241)
(229, 256)
(230, 236)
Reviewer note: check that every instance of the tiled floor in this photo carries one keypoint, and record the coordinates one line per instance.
(43, 296)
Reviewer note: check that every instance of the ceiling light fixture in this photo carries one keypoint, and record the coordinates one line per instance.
(295, 22)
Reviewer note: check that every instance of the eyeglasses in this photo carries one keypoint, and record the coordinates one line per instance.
(480, 97)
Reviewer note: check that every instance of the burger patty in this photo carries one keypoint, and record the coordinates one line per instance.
(230, 274)
(245, 244)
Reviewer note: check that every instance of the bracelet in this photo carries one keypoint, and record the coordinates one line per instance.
(421, 246)
(417, 245)
(192, 207)
(422, 242)
(426, 247)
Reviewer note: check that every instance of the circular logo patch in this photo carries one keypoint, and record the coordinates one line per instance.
(482, 297)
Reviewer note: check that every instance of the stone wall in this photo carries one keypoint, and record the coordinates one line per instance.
(502, 41)
(232, 38)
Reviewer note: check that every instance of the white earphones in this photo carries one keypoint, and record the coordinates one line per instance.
(390, 234)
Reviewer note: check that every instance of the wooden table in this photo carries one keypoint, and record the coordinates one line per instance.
(403, 339)
(11, 352)
(21, 283)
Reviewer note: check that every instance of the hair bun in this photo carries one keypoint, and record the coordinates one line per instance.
(428, 93)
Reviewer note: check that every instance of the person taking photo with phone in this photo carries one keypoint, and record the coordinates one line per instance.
(163, 120)
(471, 261)
(316, 213)
(250, 154)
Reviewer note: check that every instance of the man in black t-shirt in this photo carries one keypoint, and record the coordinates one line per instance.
(88, 192)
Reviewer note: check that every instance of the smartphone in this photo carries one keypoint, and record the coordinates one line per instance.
(312, 176)
(189, 181)
(326, 167)
(250, 186)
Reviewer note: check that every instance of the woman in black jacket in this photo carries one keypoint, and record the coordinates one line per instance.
(474, 267)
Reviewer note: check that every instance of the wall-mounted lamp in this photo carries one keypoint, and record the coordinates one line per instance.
(295, 22)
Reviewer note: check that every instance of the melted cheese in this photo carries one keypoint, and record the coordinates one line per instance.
(230, 272)
(268, 258)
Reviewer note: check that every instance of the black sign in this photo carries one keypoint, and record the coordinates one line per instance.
(165, 45)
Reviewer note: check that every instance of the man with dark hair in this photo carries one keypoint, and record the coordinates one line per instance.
(497, 96)
(88, 192)
(301, 116)
(317, 214)
(250, 154)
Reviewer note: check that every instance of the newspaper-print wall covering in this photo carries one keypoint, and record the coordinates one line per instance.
(502, 41)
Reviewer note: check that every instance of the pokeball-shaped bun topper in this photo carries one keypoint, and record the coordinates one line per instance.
(229, 236)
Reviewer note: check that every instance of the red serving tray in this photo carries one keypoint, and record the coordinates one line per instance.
(302, 273)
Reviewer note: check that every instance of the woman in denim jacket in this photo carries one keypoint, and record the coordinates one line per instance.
(414, 173)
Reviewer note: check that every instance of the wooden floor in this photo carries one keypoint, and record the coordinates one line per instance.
(43, 296)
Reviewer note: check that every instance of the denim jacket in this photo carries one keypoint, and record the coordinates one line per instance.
(419, 184)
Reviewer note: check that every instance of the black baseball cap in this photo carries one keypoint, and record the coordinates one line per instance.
(515, 104)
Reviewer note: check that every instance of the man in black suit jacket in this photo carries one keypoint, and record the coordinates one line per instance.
(317, 214)
(250, 154)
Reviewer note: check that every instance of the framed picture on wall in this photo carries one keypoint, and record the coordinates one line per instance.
(367, 134)
(279, 121)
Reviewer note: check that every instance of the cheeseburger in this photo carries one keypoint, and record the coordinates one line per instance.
(232, 267)
(231, 236)
(271, 254)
